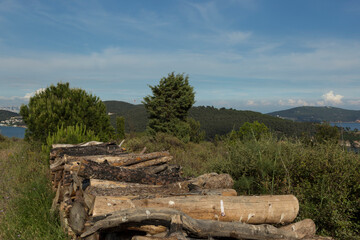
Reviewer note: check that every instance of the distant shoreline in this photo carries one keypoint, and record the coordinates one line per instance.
(20, 126)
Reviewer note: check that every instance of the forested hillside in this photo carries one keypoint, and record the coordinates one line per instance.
(318, 114)
(213, 121)
(4, 115)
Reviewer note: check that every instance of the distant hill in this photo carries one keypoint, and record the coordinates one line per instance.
(318, 114)
(4, 115)
(213, 121)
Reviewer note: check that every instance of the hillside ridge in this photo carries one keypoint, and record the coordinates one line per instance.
(213, 121)
(318, 114)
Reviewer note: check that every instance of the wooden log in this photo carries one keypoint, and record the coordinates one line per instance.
(206, 181)
(99, 149)
(58, 162)
(302, 229)
(123, 159)
(193, 227)
(153, 238)
(149, 163)
(56, 198)
(248, 209)
(91, 170)
(111, 188)
(91, 143)
(150, 229)
(212, 181)
(156, 169)
(77, 217)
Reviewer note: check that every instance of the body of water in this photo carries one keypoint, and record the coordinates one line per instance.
(17, 132)
(351, 125)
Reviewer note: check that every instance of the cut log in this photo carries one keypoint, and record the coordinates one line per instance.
(99, 149)
(302, 229)
(153, 238)
(58, 162)
(150, 229)
(91, 170)
(193, 227)
(212, 181)
(249, 209)
(121, 160)
(77, 217)
(149, 163)
(111, 188)
(75, 145)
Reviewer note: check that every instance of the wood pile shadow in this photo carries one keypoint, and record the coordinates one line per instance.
(103, 192)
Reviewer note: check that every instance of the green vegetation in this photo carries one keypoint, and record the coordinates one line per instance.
(212, 120)
(323, 176)
(264, 156)
(26, 194)
(71, 135)
(5, 115)
(248, 130)
(168, 107)
(120, 128)
(327, 134)
(318, 114)
(61, 105)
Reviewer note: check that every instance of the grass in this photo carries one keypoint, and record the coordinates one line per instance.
(25, 194)
(324, 177)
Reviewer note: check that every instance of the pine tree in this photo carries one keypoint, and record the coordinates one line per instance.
(169, 105)
(120, 128)
(62, 106)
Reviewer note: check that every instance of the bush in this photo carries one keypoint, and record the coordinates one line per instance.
(61, 105)
(324, 178)
(71, 135)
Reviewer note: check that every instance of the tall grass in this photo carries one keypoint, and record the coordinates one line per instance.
(324, 177)
(25, 194)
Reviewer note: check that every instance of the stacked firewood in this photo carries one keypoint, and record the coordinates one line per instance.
(103, 192)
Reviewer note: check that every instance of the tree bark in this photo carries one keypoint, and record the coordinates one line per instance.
(248, 209)
(77, 217)
(78, 150)
(91, 170)
(193, 227)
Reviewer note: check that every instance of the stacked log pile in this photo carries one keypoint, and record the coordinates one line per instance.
(103, 192)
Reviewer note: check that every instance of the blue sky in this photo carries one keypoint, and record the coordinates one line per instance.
(256, 55)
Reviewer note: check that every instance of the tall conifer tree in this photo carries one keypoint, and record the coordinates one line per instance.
(169, 105)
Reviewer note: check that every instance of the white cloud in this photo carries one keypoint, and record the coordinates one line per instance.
(251, 103)
(330, 97)
(29, 95)
(237, 37)
(294, 102)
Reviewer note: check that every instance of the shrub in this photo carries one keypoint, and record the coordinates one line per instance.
(61, 105)
(120, 128)
(71, 135)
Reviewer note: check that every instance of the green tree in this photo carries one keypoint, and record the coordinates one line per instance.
(196, 134)
(250, 131)
(120, 128)
(62, 106)
(168, 107)
(327, 134)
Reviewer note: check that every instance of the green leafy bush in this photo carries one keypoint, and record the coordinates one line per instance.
(61, 105)
(249, 131)
(71, 135)
(324, 177)
(120, 128)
